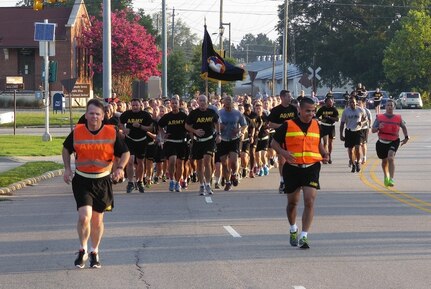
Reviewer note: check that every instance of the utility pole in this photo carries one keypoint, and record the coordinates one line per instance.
(164, 51)
(221, 42)
(46, 136)
(107, 60)
(173, 27)
(285, 42)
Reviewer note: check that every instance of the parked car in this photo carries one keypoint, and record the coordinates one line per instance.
(409, 100)
(370, 98)
(339, 100)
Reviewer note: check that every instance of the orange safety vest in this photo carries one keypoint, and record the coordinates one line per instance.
(304, 146)
(391, 126)
(94, 153)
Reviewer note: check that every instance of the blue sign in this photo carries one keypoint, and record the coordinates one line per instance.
(44, 31)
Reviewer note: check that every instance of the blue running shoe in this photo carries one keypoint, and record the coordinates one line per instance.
(171, 185)
(265, 170)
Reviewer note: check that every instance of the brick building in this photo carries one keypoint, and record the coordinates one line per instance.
(19, 53)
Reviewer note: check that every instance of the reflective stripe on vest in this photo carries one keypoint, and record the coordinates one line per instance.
(391, 126)
(94, 153)
(304, 146)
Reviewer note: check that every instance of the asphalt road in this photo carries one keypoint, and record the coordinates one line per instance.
(363, 236)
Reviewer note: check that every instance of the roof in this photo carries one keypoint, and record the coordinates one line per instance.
(17, 25)
(264, 70)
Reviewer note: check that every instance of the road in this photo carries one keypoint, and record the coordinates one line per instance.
(363, 236)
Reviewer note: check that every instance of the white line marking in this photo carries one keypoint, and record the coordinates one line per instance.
(232, 231)
(208, 200)
(298, 287)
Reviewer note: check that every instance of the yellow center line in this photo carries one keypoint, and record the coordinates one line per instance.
(393, 193)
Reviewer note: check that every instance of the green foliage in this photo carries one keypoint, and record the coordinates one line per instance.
(345, 38)
(178, 73)
(408, 57)
(27, 170)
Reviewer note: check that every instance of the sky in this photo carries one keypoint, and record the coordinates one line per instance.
(245, 16)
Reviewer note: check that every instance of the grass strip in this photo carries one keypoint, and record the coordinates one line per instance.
(27, 170)
(26, 145)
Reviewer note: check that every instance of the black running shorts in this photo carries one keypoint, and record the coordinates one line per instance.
(295, 177)
(96, 193)
(383, 149)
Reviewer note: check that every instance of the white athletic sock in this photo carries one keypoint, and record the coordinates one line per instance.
(293, 228)
(85, 248)
(281, 179)
(95, 250)
(303, 234)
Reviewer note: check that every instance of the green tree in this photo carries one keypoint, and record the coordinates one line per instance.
(178, 74)
(252, 46)
(408, 57)
(345, 38)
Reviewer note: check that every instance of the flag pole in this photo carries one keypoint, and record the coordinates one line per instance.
(206, 78)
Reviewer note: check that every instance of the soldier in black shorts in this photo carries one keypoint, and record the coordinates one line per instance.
(276, 118)
(328, 115)
(174, 138)
(203, 123)
(135, 124)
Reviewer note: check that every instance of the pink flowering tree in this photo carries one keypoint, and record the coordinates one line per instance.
(134, 52)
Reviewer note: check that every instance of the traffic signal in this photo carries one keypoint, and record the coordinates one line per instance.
(37, 5)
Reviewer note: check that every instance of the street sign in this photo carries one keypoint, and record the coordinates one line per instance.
(68, 84)
(14, 83)
(44, 31)
(314, 73)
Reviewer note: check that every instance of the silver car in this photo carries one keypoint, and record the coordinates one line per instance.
(409, 100)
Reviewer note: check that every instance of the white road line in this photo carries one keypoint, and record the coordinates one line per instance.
(208, 200)
(232, 231)
(298, 287)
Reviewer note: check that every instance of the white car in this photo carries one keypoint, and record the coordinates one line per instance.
(409, 100)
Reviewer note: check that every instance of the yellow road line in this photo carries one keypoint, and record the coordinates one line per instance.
(391, 192)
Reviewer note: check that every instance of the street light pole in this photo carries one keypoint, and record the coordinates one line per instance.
(164, 51)
(285, 42)
(221, 41)
(107, 64)
(230, 48)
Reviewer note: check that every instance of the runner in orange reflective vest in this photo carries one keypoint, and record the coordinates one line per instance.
(298, 142)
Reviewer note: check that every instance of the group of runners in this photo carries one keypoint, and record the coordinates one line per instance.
(216, 142)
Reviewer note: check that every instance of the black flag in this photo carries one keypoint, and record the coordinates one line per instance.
(213, 65)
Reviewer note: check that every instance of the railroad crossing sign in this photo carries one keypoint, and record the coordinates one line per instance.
(314, 73)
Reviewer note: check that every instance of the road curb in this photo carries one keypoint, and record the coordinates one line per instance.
(30, 181)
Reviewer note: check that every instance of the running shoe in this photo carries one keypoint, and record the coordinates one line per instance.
(147, 183)
(202, 191)
(164, 178)
(386, 181)
(217, 186)
(391, 183)
(130, 187)
(350, 163)
(294, 238)
(265, 170)
(260, 172)
(281, 188)
(244, 173)
(251, 174)
(171, 185)
(81, 259)
(228, 186)
(353, 168)
(194, 177)
(140, 186)
(330, 161)
(234, 180)
(303, 243)
(223, 181)
(358, 167)
(208, 190)
(183, 184)
(177, 187)
(271, 161)
(94, 260)
(156, 180)
(364, 160)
